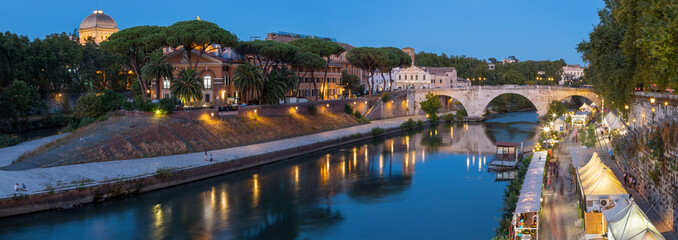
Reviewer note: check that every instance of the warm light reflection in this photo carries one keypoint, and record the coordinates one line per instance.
(255, 190)
(467, 163)
(451, 133)
(422, 155)
(224, 205)
(355, 156)
(343, 168)
(465, 127)
(480, 164)
(414, 158)
(473, 160)
(296, 174)
(407, 142)
(158, 218)
(365, 154)
(381, 164)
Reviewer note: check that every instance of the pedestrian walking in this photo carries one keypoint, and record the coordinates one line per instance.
(206, 156)
(211, 158)
(625, 179)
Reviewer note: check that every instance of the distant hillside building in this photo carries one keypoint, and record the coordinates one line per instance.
(415, 77)
(97, 27)
(571, 73)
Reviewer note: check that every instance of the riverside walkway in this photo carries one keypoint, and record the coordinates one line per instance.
(41, 180)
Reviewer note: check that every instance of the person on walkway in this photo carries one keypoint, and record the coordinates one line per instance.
(211, 158)
(625, 179)
(23, 187)
(206, 156)
(16, 187)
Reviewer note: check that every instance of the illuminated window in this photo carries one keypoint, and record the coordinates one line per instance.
(166, 83)
(207, 80)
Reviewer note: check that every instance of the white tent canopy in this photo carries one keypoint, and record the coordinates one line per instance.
(606, 185)
(530, 193)
(613, 122)
(627, 221)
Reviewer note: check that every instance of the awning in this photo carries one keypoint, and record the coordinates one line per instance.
(530, 193)
(630, 222)
(613, 122)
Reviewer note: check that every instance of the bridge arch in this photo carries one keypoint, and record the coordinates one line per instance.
(476, 98)
(490, 99)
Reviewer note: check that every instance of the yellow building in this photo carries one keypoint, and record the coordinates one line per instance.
(97, 26)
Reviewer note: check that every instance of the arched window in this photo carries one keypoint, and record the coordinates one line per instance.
(166, 83)
(207, 80)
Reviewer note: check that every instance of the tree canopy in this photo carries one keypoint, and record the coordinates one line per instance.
(136, 43)
(368, 59)
(198, 35)
(633, 46)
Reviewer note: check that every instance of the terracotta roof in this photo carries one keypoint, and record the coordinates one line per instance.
(439, 69)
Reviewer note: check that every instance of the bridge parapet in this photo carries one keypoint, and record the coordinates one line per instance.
(476, 98)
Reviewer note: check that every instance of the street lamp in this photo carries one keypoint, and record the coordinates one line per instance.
(652, 100)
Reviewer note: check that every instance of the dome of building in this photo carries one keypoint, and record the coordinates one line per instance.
(98, 19)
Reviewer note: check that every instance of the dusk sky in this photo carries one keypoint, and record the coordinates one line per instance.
(527, 29)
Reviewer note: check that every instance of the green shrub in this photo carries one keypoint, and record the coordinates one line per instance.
(7, 140)
(385, 96)
(163, 172)
(312, 109)
(167, 105)
(111, 100)
(89, 106)
(409, 124)
(127, 105)
(86, 121)
(377, 131)
(348, 108)
(420, 123)
(358, 115)
(143, 104)
(431, 107)
(449, 118)
(461, 114)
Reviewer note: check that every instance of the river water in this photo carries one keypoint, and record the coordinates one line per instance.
(428, 184)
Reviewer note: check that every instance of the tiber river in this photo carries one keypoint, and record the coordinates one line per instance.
(429, 184)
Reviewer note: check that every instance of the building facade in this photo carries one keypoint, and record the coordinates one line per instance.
(415, 77)
(333, 89)
(216, 70)
(571, 73)
(96, 27)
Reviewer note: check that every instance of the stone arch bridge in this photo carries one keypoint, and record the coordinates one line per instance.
(475, 99)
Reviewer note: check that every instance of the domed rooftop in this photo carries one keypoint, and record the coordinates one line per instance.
(98, 19)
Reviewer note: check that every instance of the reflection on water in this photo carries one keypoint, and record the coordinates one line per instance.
(411, 186)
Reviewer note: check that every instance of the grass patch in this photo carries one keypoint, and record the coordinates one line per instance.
(164, 172)
(377, 131)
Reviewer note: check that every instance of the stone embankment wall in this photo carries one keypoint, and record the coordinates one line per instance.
(640, 110)
(633, 154)
(333, 106)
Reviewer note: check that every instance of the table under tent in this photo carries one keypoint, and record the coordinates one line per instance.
(525, 222)
(628, 221)
(599, 190)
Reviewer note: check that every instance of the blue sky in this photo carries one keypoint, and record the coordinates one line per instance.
(527, 29)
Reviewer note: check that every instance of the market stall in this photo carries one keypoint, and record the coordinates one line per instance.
(526, 216)
(628, 221)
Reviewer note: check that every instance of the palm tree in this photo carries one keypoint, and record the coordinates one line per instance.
(157, 67)
(187, 86)
(248, 79)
